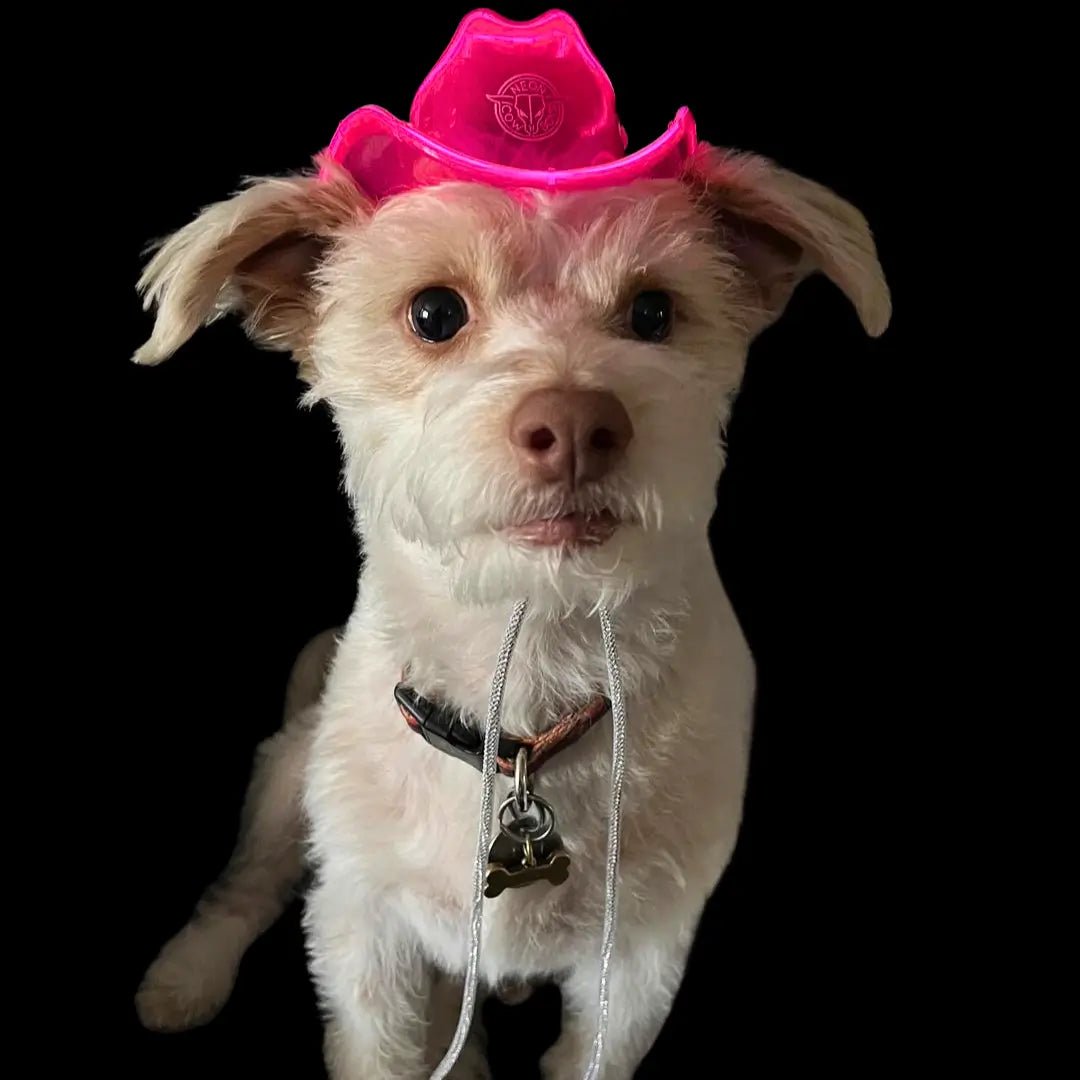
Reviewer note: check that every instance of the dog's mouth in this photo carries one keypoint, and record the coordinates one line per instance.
(584, 528)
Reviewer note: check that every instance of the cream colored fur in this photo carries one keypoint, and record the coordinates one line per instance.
(389, 825)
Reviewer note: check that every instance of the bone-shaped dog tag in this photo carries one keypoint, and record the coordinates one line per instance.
(513, 866)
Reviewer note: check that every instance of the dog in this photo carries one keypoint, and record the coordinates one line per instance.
(530, 393)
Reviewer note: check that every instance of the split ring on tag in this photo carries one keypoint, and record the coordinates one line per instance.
(537, 824)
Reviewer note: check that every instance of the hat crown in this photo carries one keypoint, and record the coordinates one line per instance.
(523, 106)
(527, 95)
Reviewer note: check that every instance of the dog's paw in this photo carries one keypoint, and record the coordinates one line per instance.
(567, 1059)
(189, 983)
(471, 1065)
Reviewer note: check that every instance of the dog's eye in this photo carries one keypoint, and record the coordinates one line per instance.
(651, 315)
(437, 314)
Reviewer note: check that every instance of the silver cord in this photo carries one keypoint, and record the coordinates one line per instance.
(483, 842)
(618, 767)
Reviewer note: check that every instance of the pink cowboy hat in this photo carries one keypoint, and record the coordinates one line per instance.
(511, 104)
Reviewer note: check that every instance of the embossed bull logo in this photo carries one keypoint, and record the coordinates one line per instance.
(528, 107)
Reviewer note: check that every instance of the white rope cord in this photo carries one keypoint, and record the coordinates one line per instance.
(618, 767)
(483, 842)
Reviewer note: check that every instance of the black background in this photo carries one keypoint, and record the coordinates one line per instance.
(225, 542)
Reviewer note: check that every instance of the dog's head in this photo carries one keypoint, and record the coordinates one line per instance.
(530, 391)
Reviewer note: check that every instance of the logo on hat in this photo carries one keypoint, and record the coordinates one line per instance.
(528, 107)
(450, 134)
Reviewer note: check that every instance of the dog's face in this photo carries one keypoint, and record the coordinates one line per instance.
(530, 391)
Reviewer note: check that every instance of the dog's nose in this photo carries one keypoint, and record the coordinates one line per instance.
(570, 435)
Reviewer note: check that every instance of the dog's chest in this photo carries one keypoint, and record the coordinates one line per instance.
(396, 817)
(539, 928)
(406, 823)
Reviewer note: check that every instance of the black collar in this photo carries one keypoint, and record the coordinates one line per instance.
(444, 728)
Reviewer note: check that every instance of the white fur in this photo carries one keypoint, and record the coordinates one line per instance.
(390, 823)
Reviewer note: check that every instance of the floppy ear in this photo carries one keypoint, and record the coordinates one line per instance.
(253, 254)
(782, 228)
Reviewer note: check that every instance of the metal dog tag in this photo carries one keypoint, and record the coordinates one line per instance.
(527, 848)
(509, 865)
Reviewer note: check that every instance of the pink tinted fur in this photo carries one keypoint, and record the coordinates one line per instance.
(454, 132)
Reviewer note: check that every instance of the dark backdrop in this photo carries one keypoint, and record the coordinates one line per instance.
(227, 542)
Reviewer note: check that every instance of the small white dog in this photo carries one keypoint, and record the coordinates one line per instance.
(530, 394)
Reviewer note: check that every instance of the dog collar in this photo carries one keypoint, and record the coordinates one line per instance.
(443, 727)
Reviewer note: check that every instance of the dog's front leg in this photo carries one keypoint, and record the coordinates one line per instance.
(373, 983)
(645, 976)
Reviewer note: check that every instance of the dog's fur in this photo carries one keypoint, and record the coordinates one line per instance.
(388, 824)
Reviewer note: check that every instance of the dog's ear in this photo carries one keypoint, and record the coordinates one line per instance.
(253, 254)
(782, 228)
